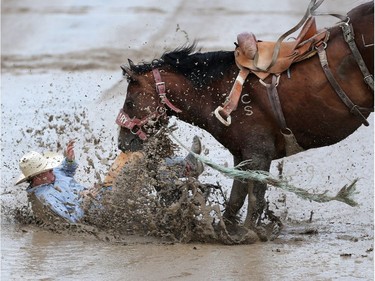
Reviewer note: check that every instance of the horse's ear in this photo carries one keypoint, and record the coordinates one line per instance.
(131, 63)
(126, 71)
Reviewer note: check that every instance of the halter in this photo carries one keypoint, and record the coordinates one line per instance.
(134, 124)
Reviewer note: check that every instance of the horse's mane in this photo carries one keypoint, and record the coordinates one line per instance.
(200, 68)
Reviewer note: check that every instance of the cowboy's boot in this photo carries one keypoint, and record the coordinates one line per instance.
(120, 161)
(194, 167)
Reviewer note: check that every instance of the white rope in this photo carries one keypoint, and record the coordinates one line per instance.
(344, 195)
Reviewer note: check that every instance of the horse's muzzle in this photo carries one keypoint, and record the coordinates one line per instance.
(129, 142)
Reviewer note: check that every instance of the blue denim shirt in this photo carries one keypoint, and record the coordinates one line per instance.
(63, 196)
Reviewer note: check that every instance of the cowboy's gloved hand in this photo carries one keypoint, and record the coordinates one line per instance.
(69, 152)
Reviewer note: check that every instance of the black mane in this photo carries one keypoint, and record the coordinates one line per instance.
(200, 68)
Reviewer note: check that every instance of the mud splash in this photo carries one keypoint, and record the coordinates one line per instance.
(149, 199)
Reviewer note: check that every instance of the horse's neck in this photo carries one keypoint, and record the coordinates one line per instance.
(198, 103)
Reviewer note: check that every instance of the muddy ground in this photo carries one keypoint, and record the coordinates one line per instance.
(61, 79)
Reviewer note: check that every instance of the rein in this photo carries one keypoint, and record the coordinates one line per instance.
(134, 124)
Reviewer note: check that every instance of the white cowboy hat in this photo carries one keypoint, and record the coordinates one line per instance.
(34, 163)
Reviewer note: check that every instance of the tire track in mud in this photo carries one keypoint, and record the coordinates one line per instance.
(143, 51)
(101, 58)
(181, 8)
(169, 35)
(96, 58)
(108, 57)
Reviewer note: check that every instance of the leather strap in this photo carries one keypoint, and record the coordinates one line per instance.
(232, 101)
(313, 5)
(134, 124)
(273, 97)
(348, 32)
(335, 85)
(291, 144)
(160, 88)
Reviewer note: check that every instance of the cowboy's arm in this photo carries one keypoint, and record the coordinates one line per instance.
(69, 166)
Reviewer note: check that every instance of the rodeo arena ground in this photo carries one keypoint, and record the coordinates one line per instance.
(293, 133)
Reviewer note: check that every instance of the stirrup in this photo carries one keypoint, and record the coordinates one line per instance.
(221, 119)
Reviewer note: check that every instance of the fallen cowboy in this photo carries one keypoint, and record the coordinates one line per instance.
(55, 195)
(142, 193)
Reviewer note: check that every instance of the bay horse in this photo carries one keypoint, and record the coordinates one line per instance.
(192, 85)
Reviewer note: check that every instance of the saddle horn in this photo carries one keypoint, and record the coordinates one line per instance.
(248, 44)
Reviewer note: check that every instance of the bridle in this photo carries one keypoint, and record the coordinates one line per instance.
(134, 124)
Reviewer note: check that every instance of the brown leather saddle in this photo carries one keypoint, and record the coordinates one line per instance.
(264, 58)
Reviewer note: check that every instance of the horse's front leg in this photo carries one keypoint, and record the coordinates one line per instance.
(256, 203)
(260, 155)
(236, 200)
(251, 215)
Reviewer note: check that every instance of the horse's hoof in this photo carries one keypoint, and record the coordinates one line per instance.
(231, 226)
(262, 234)
(250, 237)
(244, 235)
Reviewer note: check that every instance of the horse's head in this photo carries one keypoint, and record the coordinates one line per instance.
(145, 107)
(181, 79)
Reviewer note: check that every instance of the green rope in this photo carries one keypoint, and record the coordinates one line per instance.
(344, 195)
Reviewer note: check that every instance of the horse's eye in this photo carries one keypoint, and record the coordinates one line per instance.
(129, 104)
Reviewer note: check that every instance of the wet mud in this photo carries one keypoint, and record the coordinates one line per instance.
(60, 88)
(150, 199)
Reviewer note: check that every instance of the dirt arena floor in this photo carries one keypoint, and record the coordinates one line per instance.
(61, 79)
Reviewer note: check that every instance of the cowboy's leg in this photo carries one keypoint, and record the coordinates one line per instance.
(188, 166)
(121, 160)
